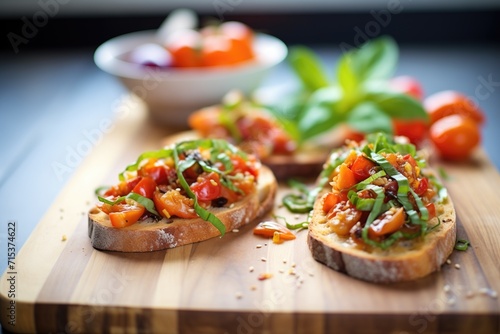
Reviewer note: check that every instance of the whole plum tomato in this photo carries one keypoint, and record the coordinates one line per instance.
(455, 136)
(451, 102)
(407, 85)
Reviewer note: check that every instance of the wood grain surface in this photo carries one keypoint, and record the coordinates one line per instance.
(66, 286)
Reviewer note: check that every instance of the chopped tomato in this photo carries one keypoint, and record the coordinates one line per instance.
(145, 187)
(173, 203)
(125, 214)
(345, 178)
(161, 174)
(422, 186)
(342, 217)
(207, 187)
(431, 208)
(268, 228)
(123, 188)
(184, 47)
(331, 199)
(240, 165)
(388, 222)
(362, 168)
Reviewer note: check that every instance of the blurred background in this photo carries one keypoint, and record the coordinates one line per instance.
(77, 23)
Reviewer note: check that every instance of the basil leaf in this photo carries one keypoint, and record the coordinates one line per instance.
(346, 76)
(376, 59)
(159, 154)
(398, 105)
(321, 114)
(308, 68)
(367, 117)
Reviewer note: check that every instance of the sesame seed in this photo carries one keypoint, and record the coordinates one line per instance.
(263, 259)
(258, 246)
(251, 269)
(235, 230)
(253, 288)
(64, 238)
(284, 261)
(448, 261)
(238, 295)
(457, 265)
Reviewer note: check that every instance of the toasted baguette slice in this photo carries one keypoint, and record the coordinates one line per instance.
(152, 235)
(308, 162)
(404, 261)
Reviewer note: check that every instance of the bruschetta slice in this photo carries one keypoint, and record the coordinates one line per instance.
(184, 193)
(381, 214)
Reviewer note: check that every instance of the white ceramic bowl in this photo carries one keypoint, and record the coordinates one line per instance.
(172, 94)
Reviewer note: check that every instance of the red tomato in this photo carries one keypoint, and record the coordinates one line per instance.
(362, 168)
(432, 210)
(125, 214)
(332, 199)
(207, 187)
(241, 165)
(185, 48)
(407, 85)
(145, 187)
(160, 174)
(241, 37)
(123, 188)
(414, 130)
(422, 186)
(448, 103)
(455, 137)
(388, 222)
(342, 217)
(268, 228)
(173, 203)
(345, 178)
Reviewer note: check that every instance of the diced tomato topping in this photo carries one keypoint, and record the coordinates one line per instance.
(268, 228)
(345, 178)
(362, 168)
(388, 222)
(422, 186)
(125, 214)
(173, 203)
(207, 187)
(145, 187)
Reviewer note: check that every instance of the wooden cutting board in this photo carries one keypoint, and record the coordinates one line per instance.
(63, 285)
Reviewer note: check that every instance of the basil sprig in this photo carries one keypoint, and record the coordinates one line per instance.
(359, 95)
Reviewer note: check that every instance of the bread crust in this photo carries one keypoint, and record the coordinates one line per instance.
(150, 235)
(407, 261)
(308, 162)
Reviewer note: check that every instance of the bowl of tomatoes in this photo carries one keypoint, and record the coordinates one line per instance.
(191, 68)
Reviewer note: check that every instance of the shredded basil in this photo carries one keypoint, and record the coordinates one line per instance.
(144, 201)
(462, 245)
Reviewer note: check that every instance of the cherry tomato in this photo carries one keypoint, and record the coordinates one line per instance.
(388, 222)
(125, 214)
(455, 136)
(362, 168)
(448, 103)
(268, 228)
(414, 130)
(173, 203)
(185, 48)
(145, 187)
(161, 174)
(407, 85)
(207, 187)
(241, 37)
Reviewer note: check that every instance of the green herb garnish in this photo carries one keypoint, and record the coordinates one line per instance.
(462, 245)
